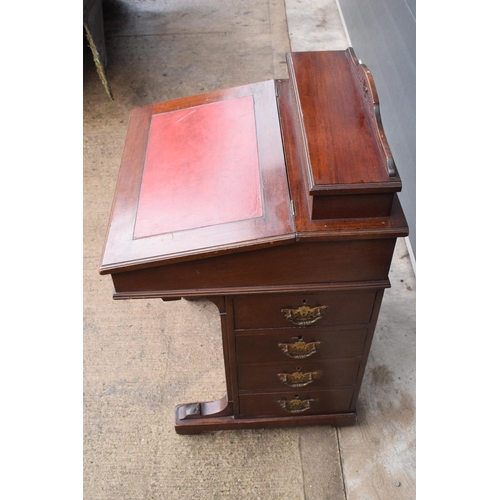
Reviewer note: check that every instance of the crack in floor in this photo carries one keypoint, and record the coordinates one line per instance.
(341, 467)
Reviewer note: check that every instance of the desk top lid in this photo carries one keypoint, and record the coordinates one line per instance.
(345, 145)
(200, 176)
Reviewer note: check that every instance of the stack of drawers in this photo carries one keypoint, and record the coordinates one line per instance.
(301, 354)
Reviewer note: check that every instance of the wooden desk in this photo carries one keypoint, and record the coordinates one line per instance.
(277, 201)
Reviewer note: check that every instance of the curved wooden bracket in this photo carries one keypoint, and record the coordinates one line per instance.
(366, 88)
(208, 409)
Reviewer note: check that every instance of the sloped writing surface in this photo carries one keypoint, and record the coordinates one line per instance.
(201, 168)
(256, 209)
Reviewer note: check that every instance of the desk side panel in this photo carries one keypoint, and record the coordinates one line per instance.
(322, 262)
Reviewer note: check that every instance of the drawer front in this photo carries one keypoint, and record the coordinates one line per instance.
(319, 344)
(292, 404)
(292, 376)
(302, 310)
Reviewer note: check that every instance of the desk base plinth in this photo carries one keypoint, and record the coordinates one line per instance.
(187, 422)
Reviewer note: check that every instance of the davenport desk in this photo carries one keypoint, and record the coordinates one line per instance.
(276, 201)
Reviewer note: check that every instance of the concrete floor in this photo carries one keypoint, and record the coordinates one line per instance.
(141, 358)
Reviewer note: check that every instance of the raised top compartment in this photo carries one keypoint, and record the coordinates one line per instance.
(348, 165)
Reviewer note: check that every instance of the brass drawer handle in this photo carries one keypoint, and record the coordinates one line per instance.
(295, 405)
(304, 315)
(298, 378)
(300, 349)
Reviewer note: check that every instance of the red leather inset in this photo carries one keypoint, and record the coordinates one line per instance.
(201, 168)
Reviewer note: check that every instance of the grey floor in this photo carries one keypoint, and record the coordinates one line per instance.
(143, 357)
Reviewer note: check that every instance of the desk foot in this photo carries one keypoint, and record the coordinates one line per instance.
(201, 423)
(208, 409)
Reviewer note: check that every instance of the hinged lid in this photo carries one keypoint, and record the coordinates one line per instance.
(200, 176)
(344, 143)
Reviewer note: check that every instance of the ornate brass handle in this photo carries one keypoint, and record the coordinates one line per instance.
(295, 405)
(304, 315)
(300, 349)
(298, 378)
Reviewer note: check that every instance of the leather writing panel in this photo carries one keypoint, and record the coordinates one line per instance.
(201, 168)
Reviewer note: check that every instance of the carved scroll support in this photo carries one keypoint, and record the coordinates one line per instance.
(366, 87)
(218, 408)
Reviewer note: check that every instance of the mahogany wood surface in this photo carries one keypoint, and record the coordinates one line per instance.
(264, 345)
(350, 206)
(367, 346)
(265, 311)
(260, 386)
(267, 404)
(312, 221)
(262, 377)
(365, 85)
(368, 221)
(343, 151)
(304, 263)
(195, 426)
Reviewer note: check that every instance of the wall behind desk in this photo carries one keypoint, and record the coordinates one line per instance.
(382, 33)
